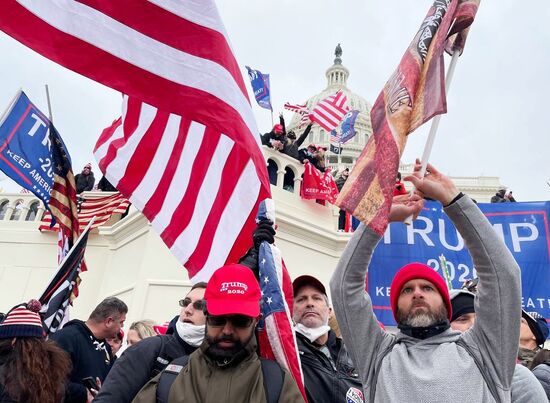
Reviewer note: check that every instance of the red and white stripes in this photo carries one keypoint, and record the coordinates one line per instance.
(186, 151)
(329, 112)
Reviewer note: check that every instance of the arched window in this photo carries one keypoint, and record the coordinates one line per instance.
(33, 211)
(3, 209)
(288, 182)
(17, 211)
(272, 169)
(321, 136)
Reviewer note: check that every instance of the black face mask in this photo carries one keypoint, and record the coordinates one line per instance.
(424, 332)
(226, 357)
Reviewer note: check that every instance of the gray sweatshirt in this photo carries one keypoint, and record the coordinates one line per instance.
(526, 388)
(444, 367)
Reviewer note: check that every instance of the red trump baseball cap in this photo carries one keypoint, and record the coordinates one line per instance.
(233, 290)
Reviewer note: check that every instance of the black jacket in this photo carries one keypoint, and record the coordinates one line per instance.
(140, 363)
(84, 182)
(105, 186)
(323, 382)
(291, 149)
(89, 356)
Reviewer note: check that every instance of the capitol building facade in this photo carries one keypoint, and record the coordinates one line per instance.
(127, 259)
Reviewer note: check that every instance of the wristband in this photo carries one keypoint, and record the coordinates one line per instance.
(457, 197)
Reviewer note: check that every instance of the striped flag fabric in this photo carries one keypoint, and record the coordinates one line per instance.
(329, 112)
(186, 150)
(413, 95)
(301, 110)
(63, 287)
(102, 208)
(199, 189)
(335, 137)
(62, 204)
(276, 336)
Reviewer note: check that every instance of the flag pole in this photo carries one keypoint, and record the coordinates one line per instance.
(339, 154)
(49, 104)
(272, 124)
(435, 125)
(10, 105)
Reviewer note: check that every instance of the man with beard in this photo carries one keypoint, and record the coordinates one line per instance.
(146, 359)
(225, 368)
(426, 361)
(329, 373)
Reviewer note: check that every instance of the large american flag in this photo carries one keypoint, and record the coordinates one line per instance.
(275, 333)
(100, 207)
(329, 112)
(186, 150)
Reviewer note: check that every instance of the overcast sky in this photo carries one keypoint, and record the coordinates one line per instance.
(498, 117)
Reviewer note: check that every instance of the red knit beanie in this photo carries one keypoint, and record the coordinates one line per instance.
(413, 271)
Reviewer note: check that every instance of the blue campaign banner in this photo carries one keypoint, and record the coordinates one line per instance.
(523, 226)
(348, 126)
(260, 86)
(25, 147)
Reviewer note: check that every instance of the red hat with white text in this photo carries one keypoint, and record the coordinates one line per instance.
(233, 290)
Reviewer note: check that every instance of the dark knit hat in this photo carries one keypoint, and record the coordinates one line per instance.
(462, 302)
(413, 271)
(23, 321)
(537, 324)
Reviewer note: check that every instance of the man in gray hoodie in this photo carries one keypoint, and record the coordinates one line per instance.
(426, 361)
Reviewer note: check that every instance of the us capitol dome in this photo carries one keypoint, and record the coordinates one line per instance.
(337, 79)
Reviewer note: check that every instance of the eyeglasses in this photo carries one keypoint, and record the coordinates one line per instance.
(198, 304)
(237, 321)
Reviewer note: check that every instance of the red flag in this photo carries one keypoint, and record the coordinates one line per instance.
(329, 112)
(186, 151)
(464, 17)
(317, 185)
(414, 94)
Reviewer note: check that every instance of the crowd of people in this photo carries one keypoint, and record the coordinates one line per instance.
(289, 144)
(475, 344)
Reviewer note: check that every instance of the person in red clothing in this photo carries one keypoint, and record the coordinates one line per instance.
(399, 186)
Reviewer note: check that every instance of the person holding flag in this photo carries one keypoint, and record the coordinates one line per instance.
(424, 360)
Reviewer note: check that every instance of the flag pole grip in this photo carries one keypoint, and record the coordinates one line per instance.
(434, 127)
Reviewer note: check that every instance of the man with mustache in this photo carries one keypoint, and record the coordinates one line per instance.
(146, 359)
(426, 361)
(225, 368)
(329, 373)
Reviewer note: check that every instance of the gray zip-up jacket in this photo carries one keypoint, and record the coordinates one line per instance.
(445, 367)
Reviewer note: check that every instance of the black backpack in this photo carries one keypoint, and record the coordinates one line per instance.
(272, 373)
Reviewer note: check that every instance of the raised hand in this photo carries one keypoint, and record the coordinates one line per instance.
(404, 206)
(434, 184)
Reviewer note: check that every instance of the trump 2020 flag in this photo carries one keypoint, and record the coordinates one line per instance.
(347, 132)
(25, 147)
(260, 86)
(414, 94)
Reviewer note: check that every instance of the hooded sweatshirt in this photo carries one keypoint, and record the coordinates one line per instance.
(90, 357)
(445, 367)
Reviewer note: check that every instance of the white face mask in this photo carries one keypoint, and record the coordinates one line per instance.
(190, 333)
(312, 333)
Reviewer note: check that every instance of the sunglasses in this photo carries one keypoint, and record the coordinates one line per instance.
(198, 304)
(237, 321)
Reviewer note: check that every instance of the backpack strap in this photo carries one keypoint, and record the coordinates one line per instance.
(168, 376)
(274, 377)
